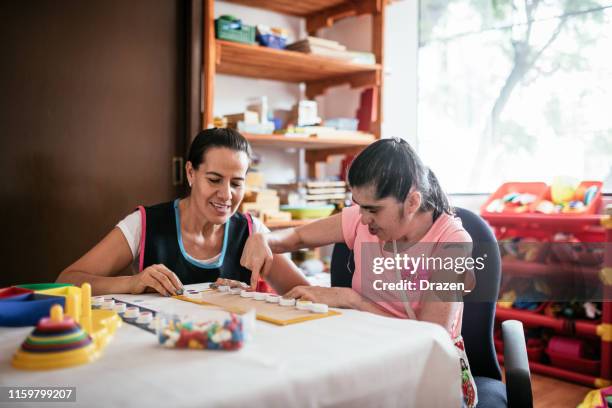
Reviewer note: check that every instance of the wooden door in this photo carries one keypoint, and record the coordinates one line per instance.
(92, 110)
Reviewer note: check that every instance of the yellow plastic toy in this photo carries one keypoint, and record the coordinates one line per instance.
(59, 341)
(563, 189)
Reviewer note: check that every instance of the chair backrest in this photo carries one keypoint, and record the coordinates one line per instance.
(479, 305)
(479, 308)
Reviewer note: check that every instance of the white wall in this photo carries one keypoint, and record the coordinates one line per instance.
(400, 91)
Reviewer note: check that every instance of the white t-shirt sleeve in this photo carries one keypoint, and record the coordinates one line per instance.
(131, 227)
(259, 226)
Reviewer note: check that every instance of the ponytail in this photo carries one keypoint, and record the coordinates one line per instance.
(435, 199)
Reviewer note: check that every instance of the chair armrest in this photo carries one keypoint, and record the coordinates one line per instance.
(516, 365)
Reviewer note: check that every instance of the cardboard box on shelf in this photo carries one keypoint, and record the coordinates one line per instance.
(247, 117)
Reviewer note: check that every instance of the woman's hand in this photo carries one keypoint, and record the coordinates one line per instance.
(333, 297)
(159, 278)
(257, 256)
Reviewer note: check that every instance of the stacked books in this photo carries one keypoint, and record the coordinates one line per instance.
(324, 192)
(332, 49)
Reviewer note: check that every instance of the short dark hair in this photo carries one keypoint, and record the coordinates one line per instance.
(216, 137)
(393, 168)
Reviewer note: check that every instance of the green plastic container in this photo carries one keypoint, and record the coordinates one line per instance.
(231, 29)
(309, 212)
(44, 286)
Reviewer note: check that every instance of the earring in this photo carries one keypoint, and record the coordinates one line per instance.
(190, 184)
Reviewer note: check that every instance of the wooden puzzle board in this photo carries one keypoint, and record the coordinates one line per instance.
(268, 312)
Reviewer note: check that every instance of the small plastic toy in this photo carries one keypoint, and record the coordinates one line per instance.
(563, 189)
(67, 340)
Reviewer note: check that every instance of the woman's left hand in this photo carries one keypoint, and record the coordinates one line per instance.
(333, 297)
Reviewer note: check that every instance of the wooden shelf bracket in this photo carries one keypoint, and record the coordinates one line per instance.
(327, 17)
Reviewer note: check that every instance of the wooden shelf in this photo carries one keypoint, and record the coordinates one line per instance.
(291, 66)
(301, 8)
(306, 142)
(287, 224)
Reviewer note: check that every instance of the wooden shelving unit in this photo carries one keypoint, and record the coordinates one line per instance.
(316, 72)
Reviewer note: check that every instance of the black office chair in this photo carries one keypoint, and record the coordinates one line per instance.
(478, 321)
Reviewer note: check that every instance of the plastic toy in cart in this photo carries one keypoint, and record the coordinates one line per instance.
(563, 196)
(601, 398)
(567, 196)
(229, 334)
(514, 197)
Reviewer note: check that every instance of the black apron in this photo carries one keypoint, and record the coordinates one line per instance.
(162, 246)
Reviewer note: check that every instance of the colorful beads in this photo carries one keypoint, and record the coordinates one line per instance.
(212, 335)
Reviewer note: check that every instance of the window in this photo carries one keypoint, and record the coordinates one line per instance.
(515, 90)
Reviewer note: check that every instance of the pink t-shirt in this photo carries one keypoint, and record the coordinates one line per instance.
(446, 229)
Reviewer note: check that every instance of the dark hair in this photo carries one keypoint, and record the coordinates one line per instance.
(393, 168)
(216, 137)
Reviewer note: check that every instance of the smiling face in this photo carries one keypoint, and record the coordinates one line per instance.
(386, 218)
(217, 186)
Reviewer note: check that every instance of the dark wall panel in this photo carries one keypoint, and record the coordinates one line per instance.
(91, 113)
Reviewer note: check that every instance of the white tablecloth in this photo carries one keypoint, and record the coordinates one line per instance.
(354, 360)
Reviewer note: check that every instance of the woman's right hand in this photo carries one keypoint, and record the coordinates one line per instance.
(257, 256)
(159, 278)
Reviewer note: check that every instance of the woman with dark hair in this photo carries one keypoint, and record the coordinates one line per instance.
(400, 213)
(196, 239)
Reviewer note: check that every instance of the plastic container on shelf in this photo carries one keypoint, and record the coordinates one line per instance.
(230, 28)
(271, 41)
(567, 346)
(577, 364)
(533, 191)
(308, 211)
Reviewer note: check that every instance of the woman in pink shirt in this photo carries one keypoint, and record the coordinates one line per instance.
(401, 230)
